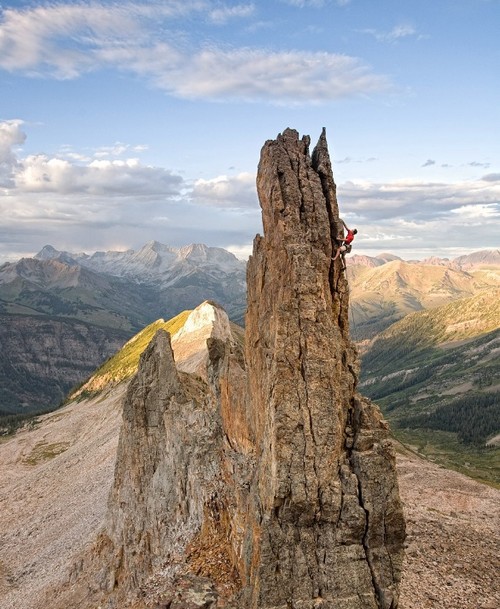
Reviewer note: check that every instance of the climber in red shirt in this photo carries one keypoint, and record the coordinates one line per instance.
(345, 242)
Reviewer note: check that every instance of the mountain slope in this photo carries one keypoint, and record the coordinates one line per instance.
(382, 295)
(123, 364)
(47, 518)
(112, 295)
(440, 370)
(42, 358)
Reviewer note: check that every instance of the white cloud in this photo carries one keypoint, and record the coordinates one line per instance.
(478, 164)
(118, 149)
(416, 200)
(315, 3)
(77, 202)
(11, 136)
(241, 251)
(66, 40)
(222, 15)
(348, 159)
(286, 77)
(77, 174)
(491, 177)
(399, 31)
(42, 174)
(416, 219)
(480, 212)
(230, 192)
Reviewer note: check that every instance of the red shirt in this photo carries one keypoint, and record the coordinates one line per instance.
(349, 237)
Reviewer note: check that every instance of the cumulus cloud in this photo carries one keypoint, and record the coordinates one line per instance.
(417, 200)
(229, 192)
(491, 177)
(66, 40)
(78, 202)
(418, 219)
(79, 174)
(42, 174)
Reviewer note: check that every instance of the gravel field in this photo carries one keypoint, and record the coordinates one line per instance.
(56, 478)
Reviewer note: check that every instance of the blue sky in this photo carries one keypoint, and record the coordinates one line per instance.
(122, 123)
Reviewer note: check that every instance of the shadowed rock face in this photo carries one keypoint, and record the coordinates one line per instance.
(263, 480)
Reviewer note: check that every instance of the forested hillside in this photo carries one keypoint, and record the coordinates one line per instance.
(436, 375)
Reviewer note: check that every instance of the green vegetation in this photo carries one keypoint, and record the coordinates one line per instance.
(436, 376)
(444, 448)
(124, 364)
(10, 423)
(474, 418)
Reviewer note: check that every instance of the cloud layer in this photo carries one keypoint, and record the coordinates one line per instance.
(102, 201)
(64, 41)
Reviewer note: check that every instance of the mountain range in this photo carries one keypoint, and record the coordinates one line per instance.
(383, 289)
(63, 314)
(436, 376)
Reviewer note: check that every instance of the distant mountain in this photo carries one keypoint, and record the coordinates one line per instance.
(179, 278)
(116, 294)
(154, 260)
(52, 287)
(479, 259)
(112, 295)
(381, 294)
(440, 369)
(43, 357)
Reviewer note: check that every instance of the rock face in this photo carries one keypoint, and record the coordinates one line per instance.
(326, 520)
(264, 480)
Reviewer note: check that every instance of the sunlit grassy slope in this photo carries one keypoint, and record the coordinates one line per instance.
(124, 364)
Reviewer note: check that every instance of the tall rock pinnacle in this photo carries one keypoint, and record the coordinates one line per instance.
(257, 479)
(326, 522)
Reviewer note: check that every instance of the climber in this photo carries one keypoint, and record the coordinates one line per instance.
(345, 242)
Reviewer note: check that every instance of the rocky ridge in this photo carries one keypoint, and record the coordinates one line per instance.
(262, 481)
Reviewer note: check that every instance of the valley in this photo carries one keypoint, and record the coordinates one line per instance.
(427, 333)
(63, 314)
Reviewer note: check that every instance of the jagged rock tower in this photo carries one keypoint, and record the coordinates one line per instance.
(256, 480)
(326, 521)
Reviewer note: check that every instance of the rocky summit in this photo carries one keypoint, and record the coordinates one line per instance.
(256, 477)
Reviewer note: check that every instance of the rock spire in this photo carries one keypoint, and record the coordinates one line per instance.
(257, 478)
(326, 519)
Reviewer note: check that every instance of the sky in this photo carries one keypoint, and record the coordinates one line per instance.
(127, 122)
